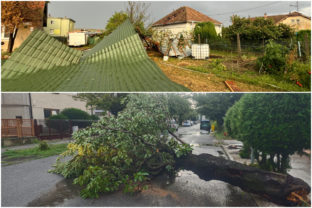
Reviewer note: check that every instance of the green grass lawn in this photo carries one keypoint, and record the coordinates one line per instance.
(33, 153)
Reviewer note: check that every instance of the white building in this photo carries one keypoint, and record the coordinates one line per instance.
(183, 20)
(37, 105)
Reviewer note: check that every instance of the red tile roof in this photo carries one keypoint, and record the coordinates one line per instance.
(278, 18)
(184, 15)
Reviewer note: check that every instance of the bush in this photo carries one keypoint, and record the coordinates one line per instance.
(78, 117)
(58, 122)
(43, 145)
(300, 73)
(274, 59)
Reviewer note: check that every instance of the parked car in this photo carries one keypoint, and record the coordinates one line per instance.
(174, 125)
(186, 123)
(205, 125)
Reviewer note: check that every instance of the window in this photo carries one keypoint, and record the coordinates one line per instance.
(4, 34)
(51, 31)
(298, 20)
(52, 22)
(293, 21)
(50, 112)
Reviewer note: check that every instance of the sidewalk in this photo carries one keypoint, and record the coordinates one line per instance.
(27, 146)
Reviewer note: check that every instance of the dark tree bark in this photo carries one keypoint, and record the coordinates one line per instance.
(274, 186)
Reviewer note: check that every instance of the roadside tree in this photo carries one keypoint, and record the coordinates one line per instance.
(275, 126)
(214, 106)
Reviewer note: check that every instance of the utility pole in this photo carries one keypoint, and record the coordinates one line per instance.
(295, 5)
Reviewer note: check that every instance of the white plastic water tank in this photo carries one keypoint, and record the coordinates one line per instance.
(200, 51)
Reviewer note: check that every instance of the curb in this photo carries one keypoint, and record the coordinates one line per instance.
(228, 155)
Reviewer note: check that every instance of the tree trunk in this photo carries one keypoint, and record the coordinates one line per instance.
(11, 41)
(239, 50)
(273, 186)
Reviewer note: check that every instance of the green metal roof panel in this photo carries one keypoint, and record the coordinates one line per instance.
(39, 52)
(119, 63)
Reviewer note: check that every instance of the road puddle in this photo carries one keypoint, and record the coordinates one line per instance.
(63, 190)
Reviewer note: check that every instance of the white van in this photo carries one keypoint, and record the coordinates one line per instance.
(77, 39)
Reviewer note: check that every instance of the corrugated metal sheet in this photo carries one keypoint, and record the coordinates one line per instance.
(118, 63)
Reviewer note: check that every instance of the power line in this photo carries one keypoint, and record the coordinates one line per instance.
(295, 5)
(244, 10)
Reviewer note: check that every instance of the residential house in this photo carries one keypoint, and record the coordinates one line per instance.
(184, 19)
(59, 27)
(295, 20)
(37, 105)
(37, 21)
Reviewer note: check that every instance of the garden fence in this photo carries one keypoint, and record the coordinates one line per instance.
(42, 128)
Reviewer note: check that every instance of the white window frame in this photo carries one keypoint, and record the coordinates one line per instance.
(3, 33)
(51, 32)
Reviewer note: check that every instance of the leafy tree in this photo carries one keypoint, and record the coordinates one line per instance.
(179, 107)
(138, 13)
(258, 30)
(124, 151)
(206, 31)
(78, 117)
(117, 19)
(13, 14)
(273, 125)
(214, 106)
(104, 101)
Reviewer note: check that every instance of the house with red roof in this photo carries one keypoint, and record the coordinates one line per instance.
(184, 19)
(295, 20)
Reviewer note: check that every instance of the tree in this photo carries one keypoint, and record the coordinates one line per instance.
(117, 19)
(138, 13)
(274, 125)
(214, 106)
(206, 31)
(13, 14)
(103, 101)
(124, 151)
(179, 107)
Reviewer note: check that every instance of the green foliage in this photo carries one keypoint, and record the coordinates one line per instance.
(124, 151)
(104, 101)
(58, 122)
(43, 145)
(258, 30)
(274, 125)
(75, 114)
(304, 36)
(214, 106)
(245, 152)
(274, 59)
(117, 19)
(207, 32)
(179, 107)
(299, 73)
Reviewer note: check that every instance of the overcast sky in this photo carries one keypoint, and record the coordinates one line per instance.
(94, 14)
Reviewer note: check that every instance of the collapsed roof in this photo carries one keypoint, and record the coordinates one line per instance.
(118, 63)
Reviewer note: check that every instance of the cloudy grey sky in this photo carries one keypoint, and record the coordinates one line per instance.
(94, 14)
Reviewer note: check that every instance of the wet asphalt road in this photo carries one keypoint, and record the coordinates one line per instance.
(29, 184)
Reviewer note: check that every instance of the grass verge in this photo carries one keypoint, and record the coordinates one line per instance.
(13, 156)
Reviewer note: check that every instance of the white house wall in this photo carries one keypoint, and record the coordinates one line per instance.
(183, 27)
(56, 101)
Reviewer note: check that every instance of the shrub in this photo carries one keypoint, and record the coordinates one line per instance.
(274, 59)
(300, 73)
(78, 117)
(58, 122)
(43, 145)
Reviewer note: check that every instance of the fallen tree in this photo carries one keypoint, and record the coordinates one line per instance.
(276, 187)
(124, 152)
